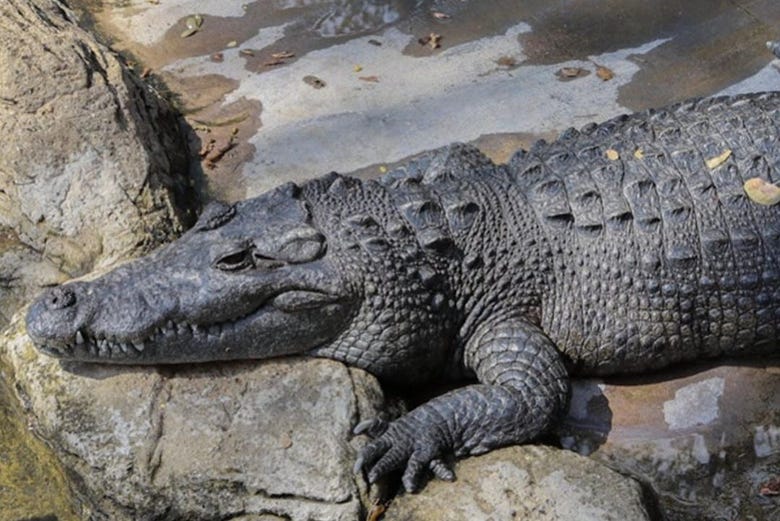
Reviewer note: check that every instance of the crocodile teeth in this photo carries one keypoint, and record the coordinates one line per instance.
(79, 337)
(139, 346)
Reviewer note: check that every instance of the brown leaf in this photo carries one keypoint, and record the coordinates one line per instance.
(372, 79)
(716, 161)
(761, 191)
(218, 57)
(433, 40)
(771, 487)
(285, 440)
(377, 509)
(604, 73)
(146, 72)
(570, 73)
(506, 61)
(246, 52)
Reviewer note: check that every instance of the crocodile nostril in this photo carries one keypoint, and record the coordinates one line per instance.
(59, 298)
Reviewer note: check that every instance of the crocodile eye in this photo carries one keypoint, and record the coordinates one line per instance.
(236, 261)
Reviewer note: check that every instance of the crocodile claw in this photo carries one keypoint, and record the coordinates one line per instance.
(404, 443)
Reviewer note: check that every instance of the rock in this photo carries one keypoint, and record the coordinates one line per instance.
(706, 438)
(200, 442)
(526, 483)
(93, 164)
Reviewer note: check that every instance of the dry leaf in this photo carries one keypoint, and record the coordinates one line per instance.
(274, 63)
(357, 68)
(146, 72)
(433, 40)
(284, 55)
(218, 57)
(612, 154)
(770, 488)
(439, 15)
(506, 61)
(570, 73)
(285, 441)
(639, 154)
(372, 79)
(383, 169)
(246, 52)
(232, 43)
(377, 509)
(761, 191)
(715, 162)
(604, 73)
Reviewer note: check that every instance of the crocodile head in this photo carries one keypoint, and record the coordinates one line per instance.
(250, 280)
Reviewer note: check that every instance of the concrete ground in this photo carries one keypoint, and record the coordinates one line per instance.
(304, 87)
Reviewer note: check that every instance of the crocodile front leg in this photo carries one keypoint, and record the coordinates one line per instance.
(523, 388)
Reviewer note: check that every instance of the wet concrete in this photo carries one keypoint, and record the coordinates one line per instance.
(386, 96)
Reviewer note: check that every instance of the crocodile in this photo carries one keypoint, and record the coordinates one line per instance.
(622, 247)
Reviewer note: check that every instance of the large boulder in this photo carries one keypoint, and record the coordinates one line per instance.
(200, 442)
(707, 439)
(93, 164)
(528, 483)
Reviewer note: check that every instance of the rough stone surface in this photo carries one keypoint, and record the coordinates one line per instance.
(527, 483)
(706, 439)
(201, 442)
(92, 163)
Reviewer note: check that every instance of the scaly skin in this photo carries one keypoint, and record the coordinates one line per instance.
(614, 249)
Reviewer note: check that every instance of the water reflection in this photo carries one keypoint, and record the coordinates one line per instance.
(347, 17)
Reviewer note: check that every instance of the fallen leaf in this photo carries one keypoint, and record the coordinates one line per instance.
(218, 57)
(433, 40)
(207, 147)
(372, 79)
(146, 72)
(604, 73)
(357, 68)
(439, 15)
(314, 81)
(193, 25)
(570, 73)
(506, 61)
(246, 52)
(232, 43)
(383, 169)
(284, 55)
(715, 162)
(612, 154)
(285, 441)
(771, 487)
(377, 509)
(761, 191)
(216, 152)
(639, 154)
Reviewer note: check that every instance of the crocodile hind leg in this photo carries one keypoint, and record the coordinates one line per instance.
(523, 388)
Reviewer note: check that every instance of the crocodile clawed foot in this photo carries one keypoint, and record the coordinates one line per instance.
(404, 443)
